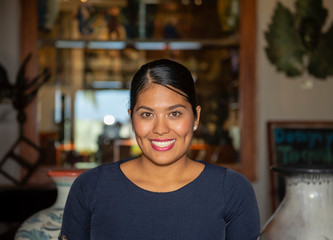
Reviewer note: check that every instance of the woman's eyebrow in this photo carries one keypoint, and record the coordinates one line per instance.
(176, 106)
(169, 108)
(145, 108)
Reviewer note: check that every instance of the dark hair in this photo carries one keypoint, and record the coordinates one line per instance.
(167, 73)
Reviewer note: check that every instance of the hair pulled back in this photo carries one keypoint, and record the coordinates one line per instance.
(167, 73)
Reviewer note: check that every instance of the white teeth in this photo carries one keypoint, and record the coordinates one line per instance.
(163, 144)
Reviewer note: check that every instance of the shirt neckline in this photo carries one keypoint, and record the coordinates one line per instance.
(138, 188)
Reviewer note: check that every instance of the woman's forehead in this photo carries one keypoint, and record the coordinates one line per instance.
(159, 95)
(161, 90)
(154, 87)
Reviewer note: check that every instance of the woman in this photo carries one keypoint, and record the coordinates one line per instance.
(162, 194)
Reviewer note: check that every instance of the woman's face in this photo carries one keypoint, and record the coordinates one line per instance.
(163, 123)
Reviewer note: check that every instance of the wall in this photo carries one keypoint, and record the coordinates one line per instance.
(282, 98)
(9, 59)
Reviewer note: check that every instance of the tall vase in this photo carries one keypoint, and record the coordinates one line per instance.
(306, 212)
(46, 224)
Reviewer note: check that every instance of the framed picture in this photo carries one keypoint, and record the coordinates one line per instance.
(295, 145)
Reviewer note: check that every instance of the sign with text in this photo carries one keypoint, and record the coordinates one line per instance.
(304, 143)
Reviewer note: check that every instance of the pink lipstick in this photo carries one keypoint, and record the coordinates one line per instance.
(162, 144)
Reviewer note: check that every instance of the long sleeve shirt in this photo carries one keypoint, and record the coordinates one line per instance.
(103, 203)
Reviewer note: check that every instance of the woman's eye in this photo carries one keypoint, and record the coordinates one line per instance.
(147, 115)
(175, 114)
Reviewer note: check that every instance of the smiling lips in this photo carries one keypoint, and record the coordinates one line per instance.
(162, 144)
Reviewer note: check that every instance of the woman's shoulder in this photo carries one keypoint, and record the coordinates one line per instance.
(93, 175)
(227, 175)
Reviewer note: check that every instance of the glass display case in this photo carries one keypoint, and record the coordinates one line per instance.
(95, 46)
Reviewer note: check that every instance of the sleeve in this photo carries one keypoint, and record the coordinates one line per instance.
(78, 208)
(242, 214)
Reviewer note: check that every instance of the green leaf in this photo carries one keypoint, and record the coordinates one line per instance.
(321, 59)
(284, 49)
(311, 9)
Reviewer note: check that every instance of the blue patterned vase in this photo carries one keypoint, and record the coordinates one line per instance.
(46, 224)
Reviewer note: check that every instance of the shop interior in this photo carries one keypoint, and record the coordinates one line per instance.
(75, 61)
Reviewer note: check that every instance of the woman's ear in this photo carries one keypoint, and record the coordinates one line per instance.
(196, 121)
(130, 114)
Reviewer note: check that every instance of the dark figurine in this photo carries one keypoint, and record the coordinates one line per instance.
(21, 93)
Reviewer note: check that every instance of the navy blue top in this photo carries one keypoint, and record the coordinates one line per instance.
(103, 204)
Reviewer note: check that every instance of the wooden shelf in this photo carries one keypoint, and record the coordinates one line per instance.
(181, 44)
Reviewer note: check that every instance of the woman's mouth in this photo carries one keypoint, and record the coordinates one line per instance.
(162, 145)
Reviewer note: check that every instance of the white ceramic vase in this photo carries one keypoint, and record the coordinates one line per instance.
(306, 212)
(46, 224)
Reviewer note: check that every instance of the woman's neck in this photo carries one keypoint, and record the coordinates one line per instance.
(147, 175)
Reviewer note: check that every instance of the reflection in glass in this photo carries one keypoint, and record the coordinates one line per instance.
(94, 48)
(91, 109)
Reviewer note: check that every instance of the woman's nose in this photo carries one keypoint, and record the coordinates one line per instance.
(160, 126)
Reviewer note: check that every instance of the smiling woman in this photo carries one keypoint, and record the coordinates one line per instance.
(164, 110)
(162, 194)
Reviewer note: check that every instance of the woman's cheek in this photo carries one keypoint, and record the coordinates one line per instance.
(141, 129)
(182, 127)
